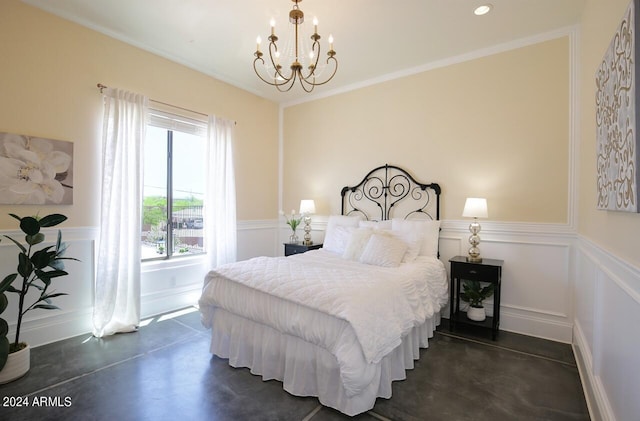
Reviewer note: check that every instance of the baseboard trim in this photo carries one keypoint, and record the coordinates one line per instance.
(539, 327)
(55, 327)
(171, 299)
(60, 326)
(594, 392)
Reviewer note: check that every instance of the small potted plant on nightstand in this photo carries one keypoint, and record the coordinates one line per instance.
(474, 293)
(38, 269)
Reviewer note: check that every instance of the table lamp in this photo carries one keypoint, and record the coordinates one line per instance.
(307, 208)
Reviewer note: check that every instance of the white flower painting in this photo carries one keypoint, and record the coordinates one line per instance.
(35, 171)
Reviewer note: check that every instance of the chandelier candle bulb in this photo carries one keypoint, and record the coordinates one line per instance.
(315, 25)
(258, 41)
(330, 42)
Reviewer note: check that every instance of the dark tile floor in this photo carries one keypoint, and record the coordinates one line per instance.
(165, 372)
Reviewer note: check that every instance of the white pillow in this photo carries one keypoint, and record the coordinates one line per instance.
(413, 240)
(357, 242)
(383, 250)
(427, 230)
(338, 231)
(377, 225)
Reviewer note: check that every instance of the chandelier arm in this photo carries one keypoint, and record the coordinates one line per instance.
(274, 48)
(287, 84)
(277, 69)
(277, 85)
(335, 69)
(306, 85)
(315, 47)
(255, 69)
(290, 82)
(314, 83)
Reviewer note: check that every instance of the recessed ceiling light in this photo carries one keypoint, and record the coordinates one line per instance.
(483, 10)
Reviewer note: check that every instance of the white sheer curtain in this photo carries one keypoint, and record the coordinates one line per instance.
(117, 294)
(220, 194)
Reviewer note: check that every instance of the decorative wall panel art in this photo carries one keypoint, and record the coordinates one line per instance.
(617, 117)
(35, 171)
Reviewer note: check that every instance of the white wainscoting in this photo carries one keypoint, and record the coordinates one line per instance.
(44, 326)
(166, 286)
(536, 278)
(549, 276)
(536, 289)
(606, 332)
(536, 294)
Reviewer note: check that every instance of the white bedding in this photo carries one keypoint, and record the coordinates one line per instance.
(358, 313)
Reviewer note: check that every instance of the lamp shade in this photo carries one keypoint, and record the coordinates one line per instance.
(475, 207)
(307, 207)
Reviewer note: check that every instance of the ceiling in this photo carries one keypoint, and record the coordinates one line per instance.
(374, 39)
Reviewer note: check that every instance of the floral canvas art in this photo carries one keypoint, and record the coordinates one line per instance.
(35, 171)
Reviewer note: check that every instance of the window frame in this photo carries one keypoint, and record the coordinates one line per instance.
(172, 121)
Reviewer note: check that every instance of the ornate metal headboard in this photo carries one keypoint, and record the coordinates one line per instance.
(389, 191)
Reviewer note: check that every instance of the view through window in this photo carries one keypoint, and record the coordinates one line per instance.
(173, 193)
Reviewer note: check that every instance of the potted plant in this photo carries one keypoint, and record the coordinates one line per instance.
(474, 293)
(36, 269)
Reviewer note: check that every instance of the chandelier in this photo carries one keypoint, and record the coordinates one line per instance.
(301, 58)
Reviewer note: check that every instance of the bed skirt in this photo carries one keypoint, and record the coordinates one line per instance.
(306, 369)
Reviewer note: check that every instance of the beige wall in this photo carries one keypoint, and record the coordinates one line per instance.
(496, 127)
(616, 232)
(48, 88)
(484, 127)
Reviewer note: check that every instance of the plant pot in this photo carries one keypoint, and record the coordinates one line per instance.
(476, 314)
(17, 365)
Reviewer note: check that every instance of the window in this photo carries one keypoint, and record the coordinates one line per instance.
(173, 194)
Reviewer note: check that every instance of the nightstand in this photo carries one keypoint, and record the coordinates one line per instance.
(297, 248)
(489, 271)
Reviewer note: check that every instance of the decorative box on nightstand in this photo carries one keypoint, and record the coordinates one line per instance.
(296, 248)
(489, 271)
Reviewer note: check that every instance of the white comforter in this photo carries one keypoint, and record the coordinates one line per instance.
(357, 312)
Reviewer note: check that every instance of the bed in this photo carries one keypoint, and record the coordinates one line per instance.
(342, 322)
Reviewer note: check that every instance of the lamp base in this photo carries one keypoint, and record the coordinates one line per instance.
(474, 240)
(307, 232)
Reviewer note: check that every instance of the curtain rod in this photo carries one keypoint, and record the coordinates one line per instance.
(103, 87)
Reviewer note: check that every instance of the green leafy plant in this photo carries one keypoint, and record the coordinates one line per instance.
(474, 293)
(37, 269)
(292, 221)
